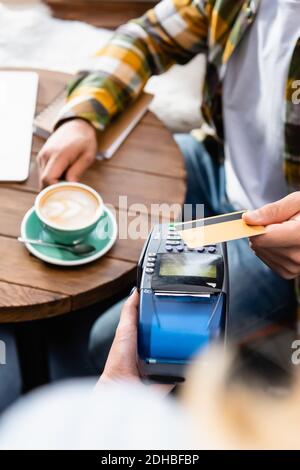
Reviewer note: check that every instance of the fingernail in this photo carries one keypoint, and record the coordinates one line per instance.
(253, 215)
(132, 291)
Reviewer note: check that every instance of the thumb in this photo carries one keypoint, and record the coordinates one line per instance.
(129, 312)
(276, 212)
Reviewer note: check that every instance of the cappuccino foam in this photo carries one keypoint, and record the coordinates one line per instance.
(69, 208)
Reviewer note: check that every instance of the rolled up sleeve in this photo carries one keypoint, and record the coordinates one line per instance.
(172, 32)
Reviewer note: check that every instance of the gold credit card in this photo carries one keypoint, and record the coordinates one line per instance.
(221, 228)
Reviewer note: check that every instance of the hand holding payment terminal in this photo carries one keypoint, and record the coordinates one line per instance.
(183, 302)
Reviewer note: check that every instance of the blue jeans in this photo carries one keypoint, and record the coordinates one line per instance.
(10, 375)
(258, 296)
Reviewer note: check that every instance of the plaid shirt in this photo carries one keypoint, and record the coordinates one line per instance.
(174, 32)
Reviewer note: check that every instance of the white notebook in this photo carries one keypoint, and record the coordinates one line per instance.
(18, 96)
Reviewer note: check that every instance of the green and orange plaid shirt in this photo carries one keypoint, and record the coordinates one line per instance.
(174, 32)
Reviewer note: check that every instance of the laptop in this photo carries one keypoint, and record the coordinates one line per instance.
(18, 97)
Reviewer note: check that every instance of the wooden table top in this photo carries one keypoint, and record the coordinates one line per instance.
(148, 168)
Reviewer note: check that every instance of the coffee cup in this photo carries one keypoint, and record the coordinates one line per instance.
(69, 211)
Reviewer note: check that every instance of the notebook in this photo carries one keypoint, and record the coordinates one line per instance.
(18, 96)
(112, 137)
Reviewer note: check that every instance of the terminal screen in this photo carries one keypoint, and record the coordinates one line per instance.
(189, 265)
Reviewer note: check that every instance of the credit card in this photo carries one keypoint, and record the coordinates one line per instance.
(221, 228)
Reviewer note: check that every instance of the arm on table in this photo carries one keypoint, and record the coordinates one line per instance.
(173, 32)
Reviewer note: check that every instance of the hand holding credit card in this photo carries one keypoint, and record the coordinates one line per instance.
(221, 228)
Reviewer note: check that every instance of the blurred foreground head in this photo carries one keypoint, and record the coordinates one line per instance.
(229, 413)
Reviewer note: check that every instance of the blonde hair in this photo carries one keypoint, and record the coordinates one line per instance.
(233, 415)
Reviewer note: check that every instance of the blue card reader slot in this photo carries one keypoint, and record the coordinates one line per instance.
(183, 302)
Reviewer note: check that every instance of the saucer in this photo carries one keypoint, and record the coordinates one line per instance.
(102, 238)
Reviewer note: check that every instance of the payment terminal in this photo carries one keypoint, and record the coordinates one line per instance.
(183, 302)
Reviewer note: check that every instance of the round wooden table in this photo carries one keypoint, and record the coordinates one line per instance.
(148, 169)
